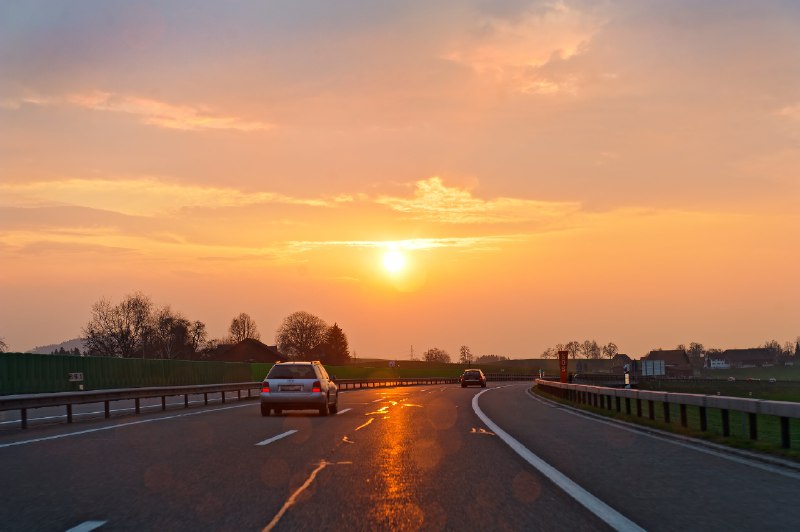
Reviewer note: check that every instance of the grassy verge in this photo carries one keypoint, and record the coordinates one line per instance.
(769, 436)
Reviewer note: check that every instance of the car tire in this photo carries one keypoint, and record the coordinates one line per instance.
(278, 411)
(265, 410)
(324, 409)
(335, 407)
(463, 385)
(483, 385)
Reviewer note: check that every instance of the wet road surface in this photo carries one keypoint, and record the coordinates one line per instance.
(416, 458)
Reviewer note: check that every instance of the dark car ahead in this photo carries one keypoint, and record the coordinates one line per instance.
(473, 377)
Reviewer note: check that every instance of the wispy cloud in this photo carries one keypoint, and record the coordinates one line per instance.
(139, 196)
(148, 111)
(433, 200)
(412, 244)
(162, 114)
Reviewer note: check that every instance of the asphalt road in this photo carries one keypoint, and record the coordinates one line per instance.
(392, 459)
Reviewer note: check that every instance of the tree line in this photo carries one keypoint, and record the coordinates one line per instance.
(136, 328)
(438, 355)
(588, 349)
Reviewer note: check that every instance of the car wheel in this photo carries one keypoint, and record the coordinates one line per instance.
(483, 385)
(463, 385)
(335, 406)
(324, 409)
(278, 411)
(264, 410)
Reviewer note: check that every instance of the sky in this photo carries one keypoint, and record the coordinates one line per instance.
(622, 171)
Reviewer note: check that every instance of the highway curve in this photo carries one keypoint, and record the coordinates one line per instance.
(404, 458)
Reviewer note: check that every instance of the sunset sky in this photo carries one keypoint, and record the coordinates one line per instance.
(623, 171)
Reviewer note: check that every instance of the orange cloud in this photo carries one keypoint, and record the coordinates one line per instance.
(435, 201)
(511, 51)
(162, 114)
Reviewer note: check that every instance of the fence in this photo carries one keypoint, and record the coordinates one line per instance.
(781, 413)
(29, 373)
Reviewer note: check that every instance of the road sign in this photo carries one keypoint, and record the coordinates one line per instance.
(562, 364)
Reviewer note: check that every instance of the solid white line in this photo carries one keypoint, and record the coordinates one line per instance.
(607, 514)
(278, 437)
(379, 400)
(119, 425)
(294, 496)
(340, 412)
(87, 526)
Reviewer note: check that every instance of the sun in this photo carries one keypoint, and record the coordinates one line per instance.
(394, 261)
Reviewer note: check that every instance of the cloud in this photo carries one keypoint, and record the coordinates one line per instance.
(412, 244)
(435, 201)
(162, 114)
(149, 111)
(512, 50)
(139, 196)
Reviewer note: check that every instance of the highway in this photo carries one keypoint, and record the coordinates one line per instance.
(414, 458)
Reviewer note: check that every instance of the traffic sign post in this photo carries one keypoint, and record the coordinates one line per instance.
(562, 364)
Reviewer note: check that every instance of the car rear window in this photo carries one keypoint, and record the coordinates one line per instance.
(292, 371)
(472, 374)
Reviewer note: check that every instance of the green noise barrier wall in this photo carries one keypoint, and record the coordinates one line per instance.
(28, 373)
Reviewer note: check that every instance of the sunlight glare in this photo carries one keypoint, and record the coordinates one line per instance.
(394, 261)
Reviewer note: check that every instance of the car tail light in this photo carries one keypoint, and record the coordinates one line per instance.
(265, 387)
(316, 387)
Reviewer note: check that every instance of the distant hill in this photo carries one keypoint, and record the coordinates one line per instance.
(69, 345)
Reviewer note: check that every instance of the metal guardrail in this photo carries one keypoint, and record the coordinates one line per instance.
(68, 399)
(352, 384)
(613, 398)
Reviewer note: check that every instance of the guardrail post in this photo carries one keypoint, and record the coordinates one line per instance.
(108, 409)
(239, 395)
(666, 413)
(651, 409)
(23, 417)
(223, 397)
(163, 402)
(726, 422)
(205, 398)
(785, 439)
(619, 405)
(703, 419)
(628, 405)
(186, 400)
(136, 404)
(638, 407)
(69, 413)
(684, 417)
(753, 426)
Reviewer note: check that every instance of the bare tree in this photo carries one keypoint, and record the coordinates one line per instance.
(435, 354)
(590, 349)
(466, 355)
(170, 334)
(243, 327)
(197, 335)
(696, 350)
(549, 353)
(3, 345)
(299, 334)
(121, 330)
(573, 348)
(610, 350)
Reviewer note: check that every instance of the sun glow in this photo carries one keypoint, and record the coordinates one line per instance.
(394, 261)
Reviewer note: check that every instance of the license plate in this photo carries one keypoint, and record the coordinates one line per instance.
(291, 388)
